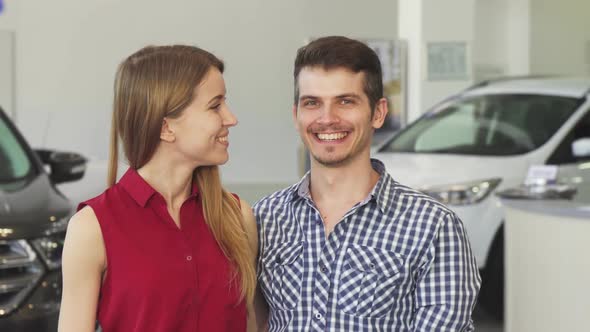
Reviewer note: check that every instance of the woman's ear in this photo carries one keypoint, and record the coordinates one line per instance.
(166, 133)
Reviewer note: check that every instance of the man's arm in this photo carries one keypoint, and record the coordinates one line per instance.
(260, 311)
(449, 282)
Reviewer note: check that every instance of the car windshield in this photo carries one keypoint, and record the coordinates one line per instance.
(14, 162)
(495, 125)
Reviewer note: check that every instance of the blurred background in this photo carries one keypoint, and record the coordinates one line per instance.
(450, 58)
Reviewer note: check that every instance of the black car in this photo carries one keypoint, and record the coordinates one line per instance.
(33, 220)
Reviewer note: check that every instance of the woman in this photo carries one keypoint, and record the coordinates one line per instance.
(166, 248)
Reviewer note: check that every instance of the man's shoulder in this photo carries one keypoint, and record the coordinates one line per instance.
(418, 213)
(412, 199)
(278, 197)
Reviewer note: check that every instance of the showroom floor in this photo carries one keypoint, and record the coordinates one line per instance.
(252, 192)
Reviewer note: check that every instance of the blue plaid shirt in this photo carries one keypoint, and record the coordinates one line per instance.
(397, 261)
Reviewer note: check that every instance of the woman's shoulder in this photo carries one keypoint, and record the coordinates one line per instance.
(108, 197)
(102, 209)
(84, 227)
(249, 224)
(85, 216)
(84, 243)
(244, 205)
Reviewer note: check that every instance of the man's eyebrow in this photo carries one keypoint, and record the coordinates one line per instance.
(349, 95)
(307, 97)
(344, 95)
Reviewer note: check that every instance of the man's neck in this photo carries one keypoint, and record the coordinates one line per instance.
(347, 183)
(335, 190)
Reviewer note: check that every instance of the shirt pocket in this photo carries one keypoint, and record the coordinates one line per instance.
(369, 280)
(284, 266)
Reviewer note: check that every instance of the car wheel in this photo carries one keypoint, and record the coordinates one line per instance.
(491, 295)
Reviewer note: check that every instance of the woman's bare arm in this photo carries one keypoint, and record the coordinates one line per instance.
(258, 312)
(83, 264)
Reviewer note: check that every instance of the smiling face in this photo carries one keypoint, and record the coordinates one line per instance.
(333, 115)
(200, 134)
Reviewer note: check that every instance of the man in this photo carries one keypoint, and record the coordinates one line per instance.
(348, 248)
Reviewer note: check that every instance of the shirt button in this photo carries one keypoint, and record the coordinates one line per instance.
(318, 316)
(189, 258)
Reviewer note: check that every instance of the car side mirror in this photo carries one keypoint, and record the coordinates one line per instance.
(581, 147)
(64, 166)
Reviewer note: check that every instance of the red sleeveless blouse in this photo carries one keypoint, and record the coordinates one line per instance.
(161, 277)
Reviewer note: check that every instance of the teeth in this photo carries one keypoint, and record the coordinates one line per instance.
(332, 136)
(222, 139)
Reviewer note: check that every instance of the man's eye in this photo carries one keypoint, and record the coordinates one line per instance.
(346, 101)
(310, 103)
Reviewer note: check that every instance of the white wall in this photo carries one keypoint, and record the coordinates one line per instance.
(560, 37)
(518, 37)
(68, 51)
(426, 21)
(411, 30)
(455, 22)
(523, 37)
(490, 57)
(9, 16)
(501, 44)
(8, 23)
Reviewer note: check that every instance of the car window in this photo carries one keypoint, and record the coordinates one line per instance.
(14, 162)
(456, 130)
(486, 125)
(563, 153)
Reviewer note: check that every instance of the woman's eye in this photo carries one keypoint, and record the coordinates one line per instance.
(216, 107)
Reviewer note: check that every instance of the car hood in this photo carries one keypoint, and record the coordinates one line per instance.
(420, 170)
(30, 207)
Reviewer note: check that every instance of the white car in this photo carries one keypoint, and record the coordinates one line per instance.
(484, 140)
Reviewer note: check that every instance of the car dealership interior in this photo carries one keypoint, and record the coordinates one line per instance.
(489, 114)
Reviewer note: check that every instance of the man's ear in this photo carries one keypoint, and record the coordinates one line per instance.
(295, 117)
(380, 113)
(166, 133)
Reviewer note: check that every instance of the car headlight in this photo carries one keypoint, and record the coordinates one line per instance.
(463, 193)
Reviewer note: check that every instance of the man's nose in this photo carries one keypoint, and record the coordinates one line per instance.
(328, 115)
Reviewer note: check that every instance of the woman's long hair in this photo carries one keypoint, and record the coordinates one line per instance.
(158, 82)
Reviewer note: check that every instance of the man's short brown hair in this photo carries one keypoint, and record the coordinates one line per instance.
(340, 52)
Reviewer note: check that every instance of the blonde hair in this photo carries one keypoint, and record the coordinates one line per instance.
(157, 82)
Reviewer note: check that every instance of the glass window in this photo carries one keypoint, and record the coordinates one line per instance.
(14, 162)
(564, 154)
(487, 125)
(456, 130)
